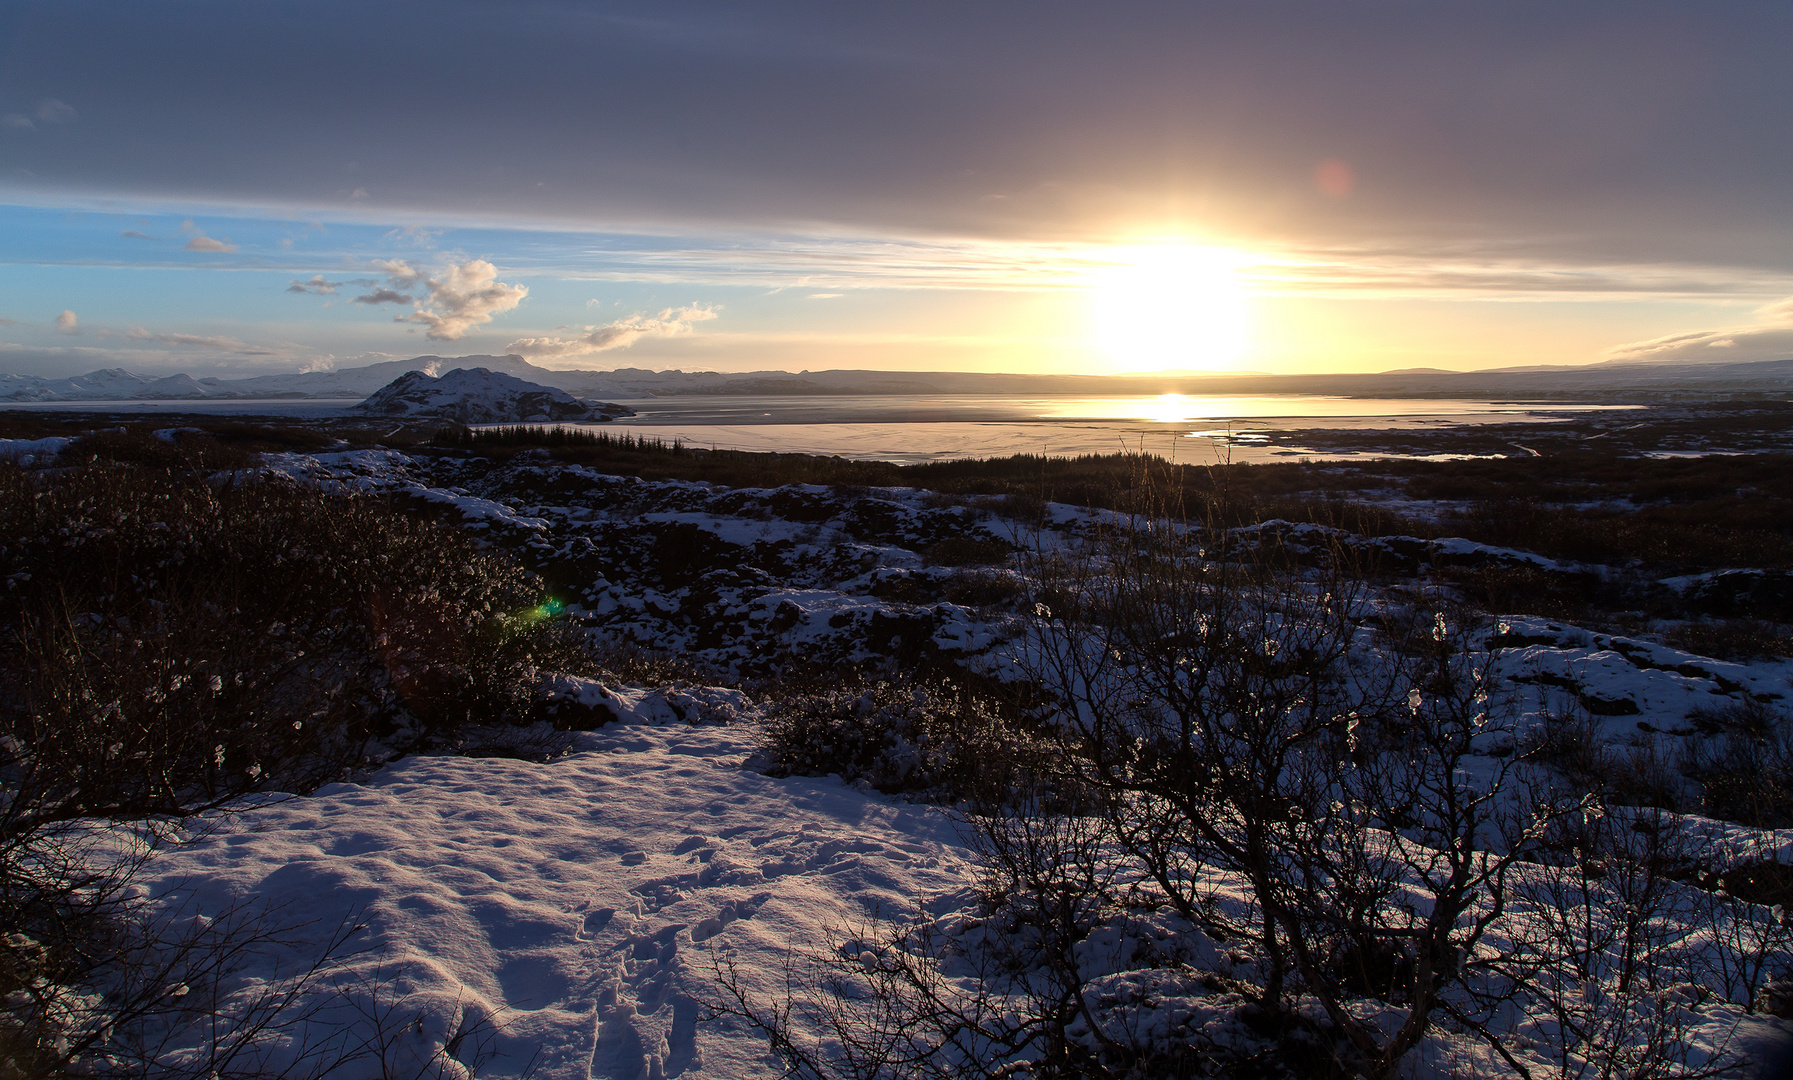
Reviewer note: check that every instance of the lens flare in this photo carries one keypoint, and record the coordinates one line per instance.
(547, 609)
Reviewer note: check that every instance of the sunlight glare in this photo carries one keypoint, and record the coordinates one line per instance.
(1166, 306)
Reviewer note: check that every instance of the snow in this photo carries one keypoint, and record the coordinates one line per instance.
(583, 901)
(28, 452)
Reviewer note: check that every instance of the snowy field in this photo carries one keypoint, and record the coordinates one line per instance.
(571, 917)
(582, 903)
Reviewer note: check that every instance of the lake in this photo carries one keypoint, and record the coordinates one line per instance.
(934, 427)
(909, 428)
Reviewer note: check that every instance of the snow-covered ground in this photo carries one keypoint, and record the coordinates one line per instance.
(582, 902)
(577, 909)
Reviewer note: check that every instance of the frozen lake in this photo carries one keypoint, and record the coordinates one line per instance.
(930, 427)
(933, 427)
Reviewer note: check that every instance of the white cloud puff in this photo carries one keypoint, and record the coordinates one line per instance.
(670, 322)
(199, 241)
(68, 323)
(457, 299)
(202, 242)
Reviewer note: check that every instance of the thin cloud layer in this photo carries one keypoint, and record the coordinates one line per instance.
(52, 111)
(1770, 337)
(202, 341)
(1600, 130)
(669, 322)
(48, 111)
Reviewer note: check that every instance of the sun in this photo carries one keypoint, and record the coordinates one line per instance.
(1161, 306)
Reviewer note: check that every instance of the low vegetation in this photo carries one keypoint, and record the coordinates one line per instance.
(1215, 761)
(173, 638)
(1361, 827)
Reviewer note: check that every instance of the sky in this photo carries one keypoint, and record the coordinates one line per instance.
(250, 187)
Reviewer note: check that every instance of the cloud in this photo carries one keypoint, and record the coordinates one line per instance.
(225, 344)
(383, 296)
(67, 323)
(202, 242)
(199, 241)
(414, 236)
(1778, 313)
(51, 111)
(317, 286)
(670, 322)
(133, 234)
(146, 356)
(1769, 338)
(458, 298)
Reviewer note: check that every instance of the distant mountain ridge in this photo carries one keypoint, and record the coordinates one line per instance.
(1612, 380)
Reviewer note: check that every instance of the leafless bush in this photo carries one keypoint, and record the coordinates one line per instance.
(170, 642)
(1012, 992)
(395, 1037)
(927, 737)
(1732, 639)
(1241, 707)
(1599, 943)
(1746, 918)
(97, 979)
(1744, 765)
(1567, 739)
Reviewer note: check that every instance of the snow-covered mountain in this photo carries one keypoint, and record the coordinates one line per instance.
(362, 381)
(482, 396)
(109, 384)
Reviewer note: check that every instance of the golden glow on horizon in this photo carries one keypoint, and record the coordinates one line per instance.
(1164, 306)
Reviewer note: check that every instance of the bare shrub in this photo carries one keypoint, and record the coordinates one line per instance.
(1741, 640)
(97, 979)
(1599, 945)
(170, 642)
(1241, 708)
(1567, 739)
(1012, 992)
(1743, 764)
(930, 738)
(1743, 899)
